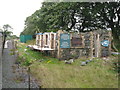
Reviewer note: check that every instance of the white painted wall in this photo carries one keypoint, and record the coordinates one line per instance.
(49, 34)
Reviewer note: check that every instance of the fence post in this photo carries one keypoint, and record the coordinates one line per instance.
(58, 44)
(91, 45)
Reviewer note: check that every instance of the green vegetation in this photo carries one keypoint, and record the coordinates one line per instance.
(52, 73)
(12, 37)
(31, 42)
(117, 44)
(97, 74)
(27, 57)
(117, 62)
(6, 31)
(62, 15)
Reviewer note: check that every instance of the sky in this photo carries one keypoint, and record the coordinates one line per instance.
(14, 13)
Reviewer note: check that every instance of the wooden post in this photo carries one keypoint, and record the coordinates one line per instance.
(97, 45)
(58, 47)
(98, 49)
(110, 39)
(91, 45)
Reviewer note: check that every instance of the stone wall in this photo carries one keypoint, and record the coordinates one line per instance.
(76, 51)
(91, 46)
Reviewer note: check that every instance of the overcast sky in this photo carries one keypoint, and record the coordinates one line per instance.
(14, 12)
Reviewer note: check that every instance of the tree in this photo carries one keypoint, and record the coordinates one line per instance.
(108, 14)
(72, 16)
(12, 37)
(6, 32)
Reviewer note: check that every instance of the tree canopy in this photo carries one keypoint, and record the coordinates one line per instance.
(6, 31)
(72, 16)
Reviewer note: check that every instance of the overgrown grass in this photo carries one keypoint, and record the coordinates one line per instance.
(31, 42)
(52, 73)
(96, 74)
(29, 56)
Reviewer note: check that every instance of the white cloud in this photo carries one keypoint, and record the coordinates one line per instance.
(14, 12)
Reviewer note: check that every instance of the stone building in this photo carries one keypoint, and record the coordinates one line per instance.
(64, 45)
